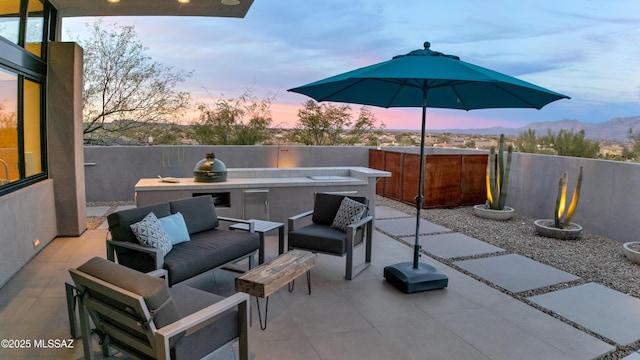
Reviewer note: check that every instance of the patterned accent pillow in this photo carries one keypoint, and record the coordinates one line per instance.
(150, 233)
(349, 212)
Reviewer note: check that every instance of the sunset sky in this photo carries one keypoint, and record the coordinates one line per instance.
(587, 49)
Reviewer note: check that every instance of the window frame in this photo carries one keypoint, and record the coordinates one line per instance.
(17, 59)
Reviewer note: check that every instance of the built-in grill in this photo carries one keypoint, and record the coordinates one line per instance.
(210, 169)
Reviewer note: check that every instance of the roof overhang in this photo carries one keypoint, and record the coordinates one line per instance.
(211, 8)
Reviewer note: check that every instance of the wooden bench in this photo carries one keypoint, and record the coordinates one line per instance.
(268, 278)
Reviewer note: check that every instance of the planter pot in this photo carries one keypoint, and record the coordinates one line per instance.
(632, 251)
(484, 212)
(544, 227)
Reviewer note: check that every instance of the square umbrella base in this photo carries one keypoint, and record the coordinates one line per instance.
(408, 279)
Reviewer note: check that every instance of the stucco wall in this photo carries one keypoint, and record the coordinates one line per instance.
(27, 215)
(111, 172)
(609, 203)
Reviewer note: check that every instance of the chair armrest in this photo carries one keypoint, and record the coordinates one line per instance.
(208, 314)
(366, 223)
(292, 220)
(156, 254)
(160, 273)
(361, 222)
(241, 221)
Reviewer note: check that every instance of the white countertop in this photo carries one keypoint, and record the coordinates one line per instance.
(272, 177)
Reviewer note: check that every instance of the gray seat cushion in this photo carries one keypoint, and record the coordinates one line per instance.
(154, 290)
(208, 250)
(195, 345)
(316, 237)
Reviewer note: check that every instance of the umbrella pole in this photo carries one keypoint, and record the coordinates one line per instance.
(420, 197)
(413, 277)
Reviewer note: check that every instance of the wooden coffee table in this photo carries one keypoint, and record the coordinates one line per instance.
(268, 278)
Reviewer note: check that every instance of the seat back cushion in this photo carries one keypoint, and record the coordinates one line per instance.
(326, 206)
(199, 213)
(120, 221)
(155, 291)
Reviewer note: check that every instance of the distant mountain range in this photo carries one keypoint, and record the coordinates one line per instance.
(615, 129)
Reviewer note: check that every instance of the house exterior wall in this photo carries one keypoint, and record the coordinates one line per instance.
(27, 215)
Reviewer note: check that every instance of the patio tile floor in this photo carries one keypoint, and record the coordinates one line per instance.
(363, 318)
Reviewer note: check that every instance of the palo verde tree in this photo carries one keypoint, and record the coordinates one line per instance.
(123, 88)
(329, 124)
(241, 121)
(570, 143)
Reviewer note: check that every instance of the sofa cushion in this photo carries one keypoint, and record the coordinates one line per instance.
(175, 227)
(199, 213)
(197, 344)
(331, 239)
(154, 290)
(120, 221)
(349, 212)
(208, 250)
(150, 232)
(326, 206)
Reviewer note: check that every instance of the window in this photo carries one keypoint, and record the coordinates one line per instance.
(10, 28)
(31, 123)
(10, 20)
(25, 27)
(8, 127)
(35, 27)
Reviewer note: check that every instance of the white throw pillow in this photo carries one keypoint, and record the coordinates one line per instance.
(349, 212)
(150, 233)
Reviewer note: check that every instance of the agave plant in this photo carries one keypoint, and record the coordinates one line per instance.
(498, 176)
(561, 202)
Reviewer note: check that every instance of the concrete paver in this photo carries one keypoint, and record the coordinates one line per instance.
(515, 273)
(607, 312)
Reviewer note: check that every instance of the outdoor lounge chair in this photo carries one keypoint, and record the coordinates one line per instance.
(325, 236)
(141, 316)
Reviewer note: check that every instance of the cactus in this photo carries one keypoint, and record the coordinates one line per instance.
(498, 176)
(561, 200)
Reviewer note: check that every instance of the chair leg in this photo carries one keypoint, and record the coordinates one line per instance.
(86, 330)
(243, 341)
(349, 270)
(368, 244)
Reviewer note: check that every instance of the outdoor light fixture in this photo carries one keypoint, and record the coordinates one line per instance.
(230, 2)
(113, 1)
(184, 1)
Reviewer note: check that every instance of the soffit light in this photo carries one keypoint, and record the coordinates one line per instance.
(230, 2)
(113, 1)
(184, 1)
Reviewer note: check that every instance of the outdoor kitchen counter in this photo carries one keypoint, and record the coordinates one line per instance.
(268, 177)
(288, 190)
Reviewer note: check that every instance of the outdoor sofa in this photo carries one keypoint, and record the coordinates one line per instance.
(208, 246)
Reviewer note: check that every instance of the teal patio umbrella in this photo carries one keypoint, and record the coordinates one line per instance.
(426, 78)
